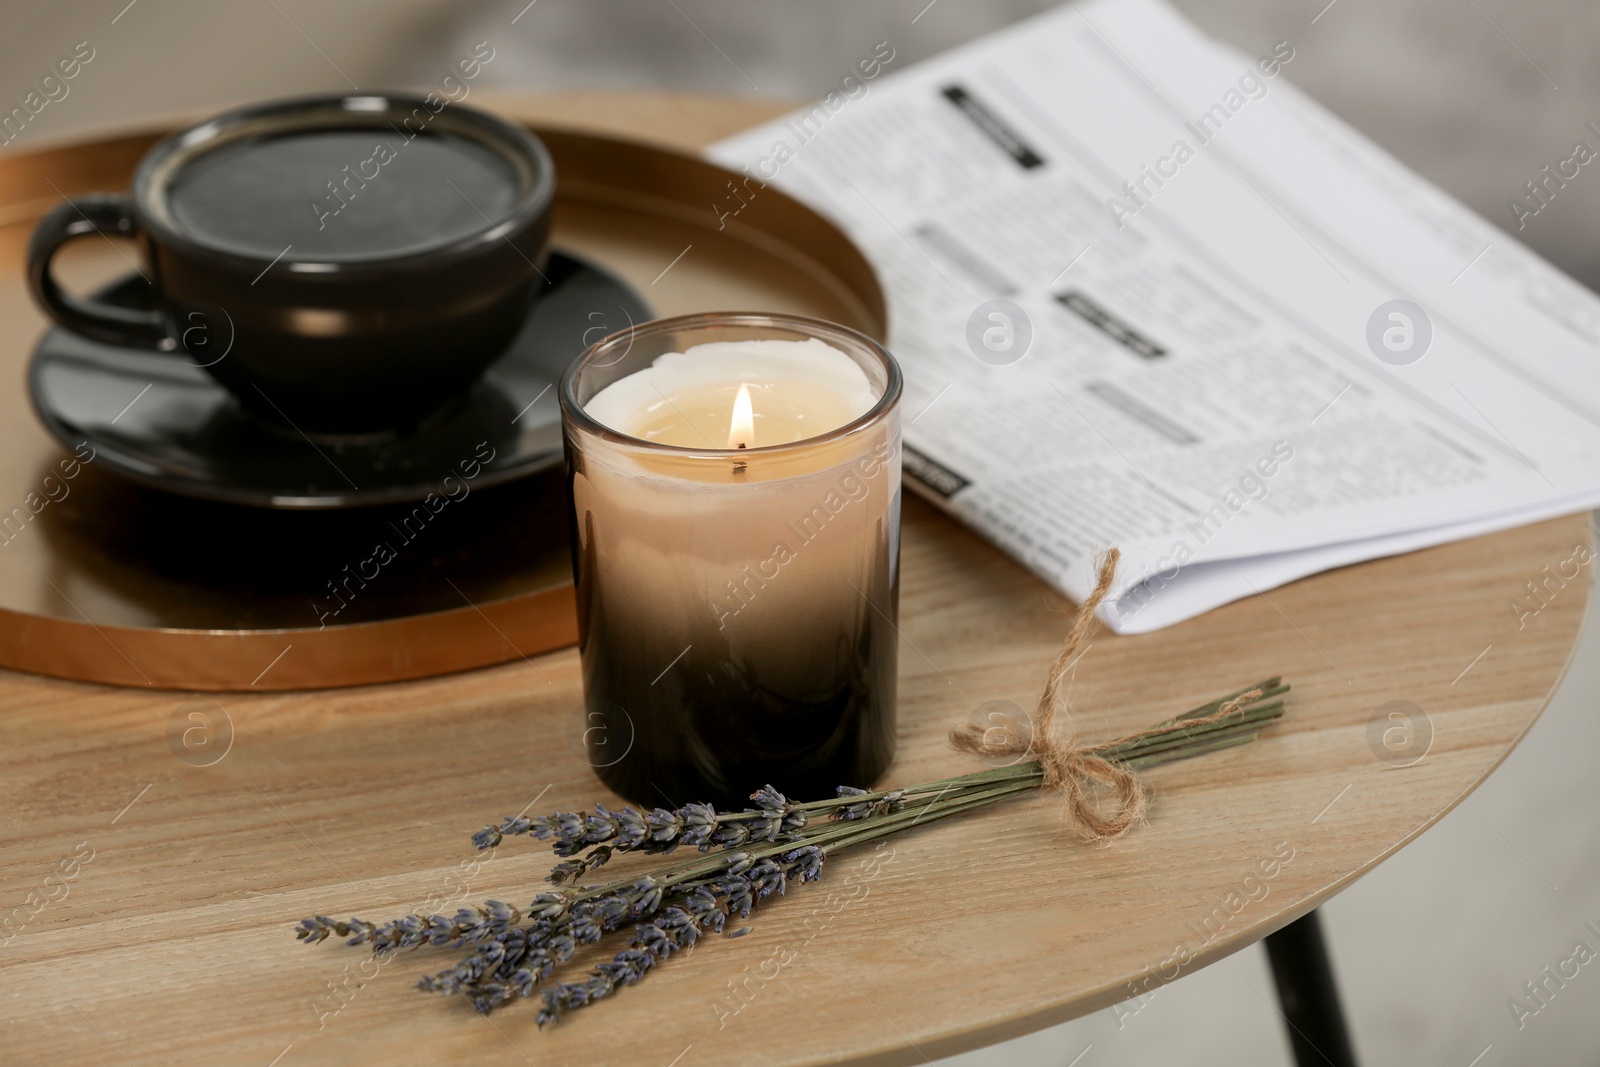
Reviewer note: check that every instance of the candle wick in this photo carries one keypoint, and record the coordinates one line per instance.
(742, 425)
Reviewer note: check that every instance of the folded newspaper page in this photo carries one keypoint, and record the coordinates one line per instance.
(1147, 294)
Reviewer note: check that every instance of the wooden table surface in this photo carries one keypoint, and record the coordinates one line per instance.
(170, 942)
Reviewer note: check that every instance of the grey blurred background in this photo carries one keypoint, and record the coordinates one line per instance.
(1475, 95)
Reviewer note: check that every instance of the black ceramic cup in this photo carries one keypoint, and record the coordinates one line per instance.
(346, 264)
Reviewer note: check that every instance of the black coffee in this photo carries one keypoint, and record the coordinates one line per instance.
(342, 194)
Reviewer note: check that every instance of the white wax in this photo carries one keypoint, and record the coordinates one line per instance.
(786, 374)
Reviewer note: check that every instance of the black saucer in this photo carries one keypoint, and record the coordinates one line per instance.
(160, 420)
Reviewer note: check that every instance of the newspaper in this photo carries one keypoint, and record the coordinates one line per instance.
(1147, 294)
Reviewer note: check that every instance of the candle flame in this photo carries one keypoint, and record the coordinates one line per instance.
(742, 428)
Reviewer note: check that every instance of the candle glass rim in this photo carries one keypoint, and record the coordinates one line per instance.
(573, 412)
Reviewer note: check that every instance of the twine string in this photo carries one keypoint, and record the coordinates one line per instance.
(1071, 769)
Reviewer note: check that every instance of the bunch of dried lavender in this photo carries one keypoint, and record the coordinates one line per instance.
(740, 858)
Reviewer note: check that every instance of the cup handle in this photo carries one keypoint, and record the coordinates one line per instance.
(94, 214)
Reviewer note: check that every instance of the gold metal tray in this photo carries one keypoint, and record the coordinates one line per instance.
(109, 582)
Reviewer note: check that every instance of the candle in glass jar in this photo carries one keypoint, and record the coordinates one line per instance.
(735, 485)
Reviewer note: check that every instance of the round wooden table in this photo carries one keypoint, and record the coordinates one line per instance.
(171, 941)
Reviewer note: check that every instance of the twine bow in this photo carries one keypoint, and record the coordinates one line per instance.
(1068, 768)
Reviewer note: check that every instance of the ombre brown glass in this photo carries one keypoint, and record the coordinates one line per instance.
(736, 608)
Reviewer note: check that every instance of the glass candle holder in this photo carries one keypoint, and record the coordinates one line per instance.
(737, 601)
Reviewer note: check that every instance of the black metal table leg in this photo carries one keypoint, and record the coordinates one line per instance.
(1310, 998)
